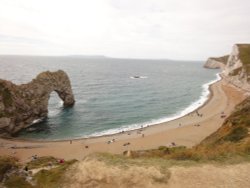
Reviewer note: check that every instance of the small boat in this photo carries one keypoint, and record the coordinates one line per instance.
(137, 77)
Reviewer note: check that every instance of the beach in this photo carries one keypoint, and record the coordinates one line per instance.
(188, 131)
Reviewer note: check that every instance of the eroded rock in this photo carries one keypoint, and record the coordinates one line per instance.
(20, 105)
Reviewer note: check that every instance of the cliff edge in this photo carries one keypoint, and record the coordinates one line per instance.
(237, 70)
(236, 66)
(216, 62)
(20, 105)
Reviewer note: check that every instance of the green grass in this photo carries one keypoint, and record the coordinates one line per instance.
(52, 178)
(42, 162)
(236, 134)
(17, 182)
(6, 163)
(222, 59)
(244, 55)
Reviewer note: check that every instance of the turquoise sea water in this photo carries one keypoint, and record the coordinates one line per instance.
(108, 98)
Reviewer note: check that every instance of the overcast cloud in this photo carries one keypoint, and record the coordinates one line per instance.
(175, 29)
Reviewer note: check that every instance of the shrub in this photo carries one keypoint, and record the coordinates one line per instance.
(185, 155)
(17, 182)
(237, 134)
(42, 162)
(53, 178)
(6, 163)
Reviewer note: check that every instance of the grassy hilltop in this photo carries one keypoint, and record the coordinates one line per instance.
(244, 56)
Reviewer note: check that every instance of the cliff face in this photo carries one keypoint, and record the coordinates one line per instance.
(236, 66)
(237, 70)
(20, 105)
(216, 62)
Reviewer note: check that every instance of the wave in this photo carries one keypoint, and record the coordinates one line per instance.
(37, 121)
(55, 108)
(196, 104)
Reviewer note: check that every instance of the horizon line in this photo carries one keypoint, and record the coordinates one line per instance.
(97, 57)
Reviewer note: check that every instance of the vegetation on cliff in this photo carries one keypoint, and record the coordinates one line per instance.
(244, 55)
(222, 59)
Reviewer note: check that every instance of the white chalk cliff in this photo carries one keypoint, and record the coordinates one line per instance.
(236, 68)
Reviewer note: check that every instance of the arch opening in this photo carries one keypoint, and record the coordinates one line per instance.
(55, 104)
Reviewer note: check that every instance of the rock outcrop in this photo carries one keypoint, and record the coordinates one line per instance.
(21, 105)
(236, 66)
(237, 70)
(216, 62)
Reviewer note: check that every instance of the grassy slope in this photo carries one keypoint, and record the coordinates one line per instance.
(244, 53)
(222, 59)
(244, 56)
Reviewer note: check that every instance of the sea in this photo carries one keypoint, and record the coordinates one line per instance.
(112, 94)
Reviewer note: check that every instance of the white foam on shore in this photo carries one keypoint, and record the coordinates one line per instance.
(37, 121)
(203, 98)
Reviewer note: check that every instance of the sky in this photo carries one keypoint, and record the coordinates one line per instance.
(155, 29)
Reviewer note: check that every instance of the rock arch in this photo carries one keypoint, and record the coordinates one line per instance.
(21, 104)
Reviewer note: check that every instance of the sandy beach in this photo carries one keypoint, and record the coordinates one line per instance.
(188, 130)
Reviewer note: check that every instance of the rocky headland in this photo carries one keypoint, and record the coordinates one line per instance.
(21, 105)
(235, 67)
(216, 62)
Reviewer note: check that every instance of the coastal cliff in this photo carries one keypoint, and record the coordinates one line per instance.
(237, 70)
(21, 105)
(236, 66)
(216, 62)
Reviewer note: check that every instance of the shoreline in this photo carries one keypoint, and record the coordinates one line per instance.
(222, 98)
(178, 115)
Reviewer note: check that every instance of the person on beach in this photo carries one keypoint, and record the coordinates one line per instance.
(143, 135)
(70, 141)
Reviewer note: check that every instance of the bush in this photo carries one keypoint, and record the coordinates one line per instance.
(237, 134)
(53, 178)
(17, 182)
(6, 163)
(185, 155)
(42, 162)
